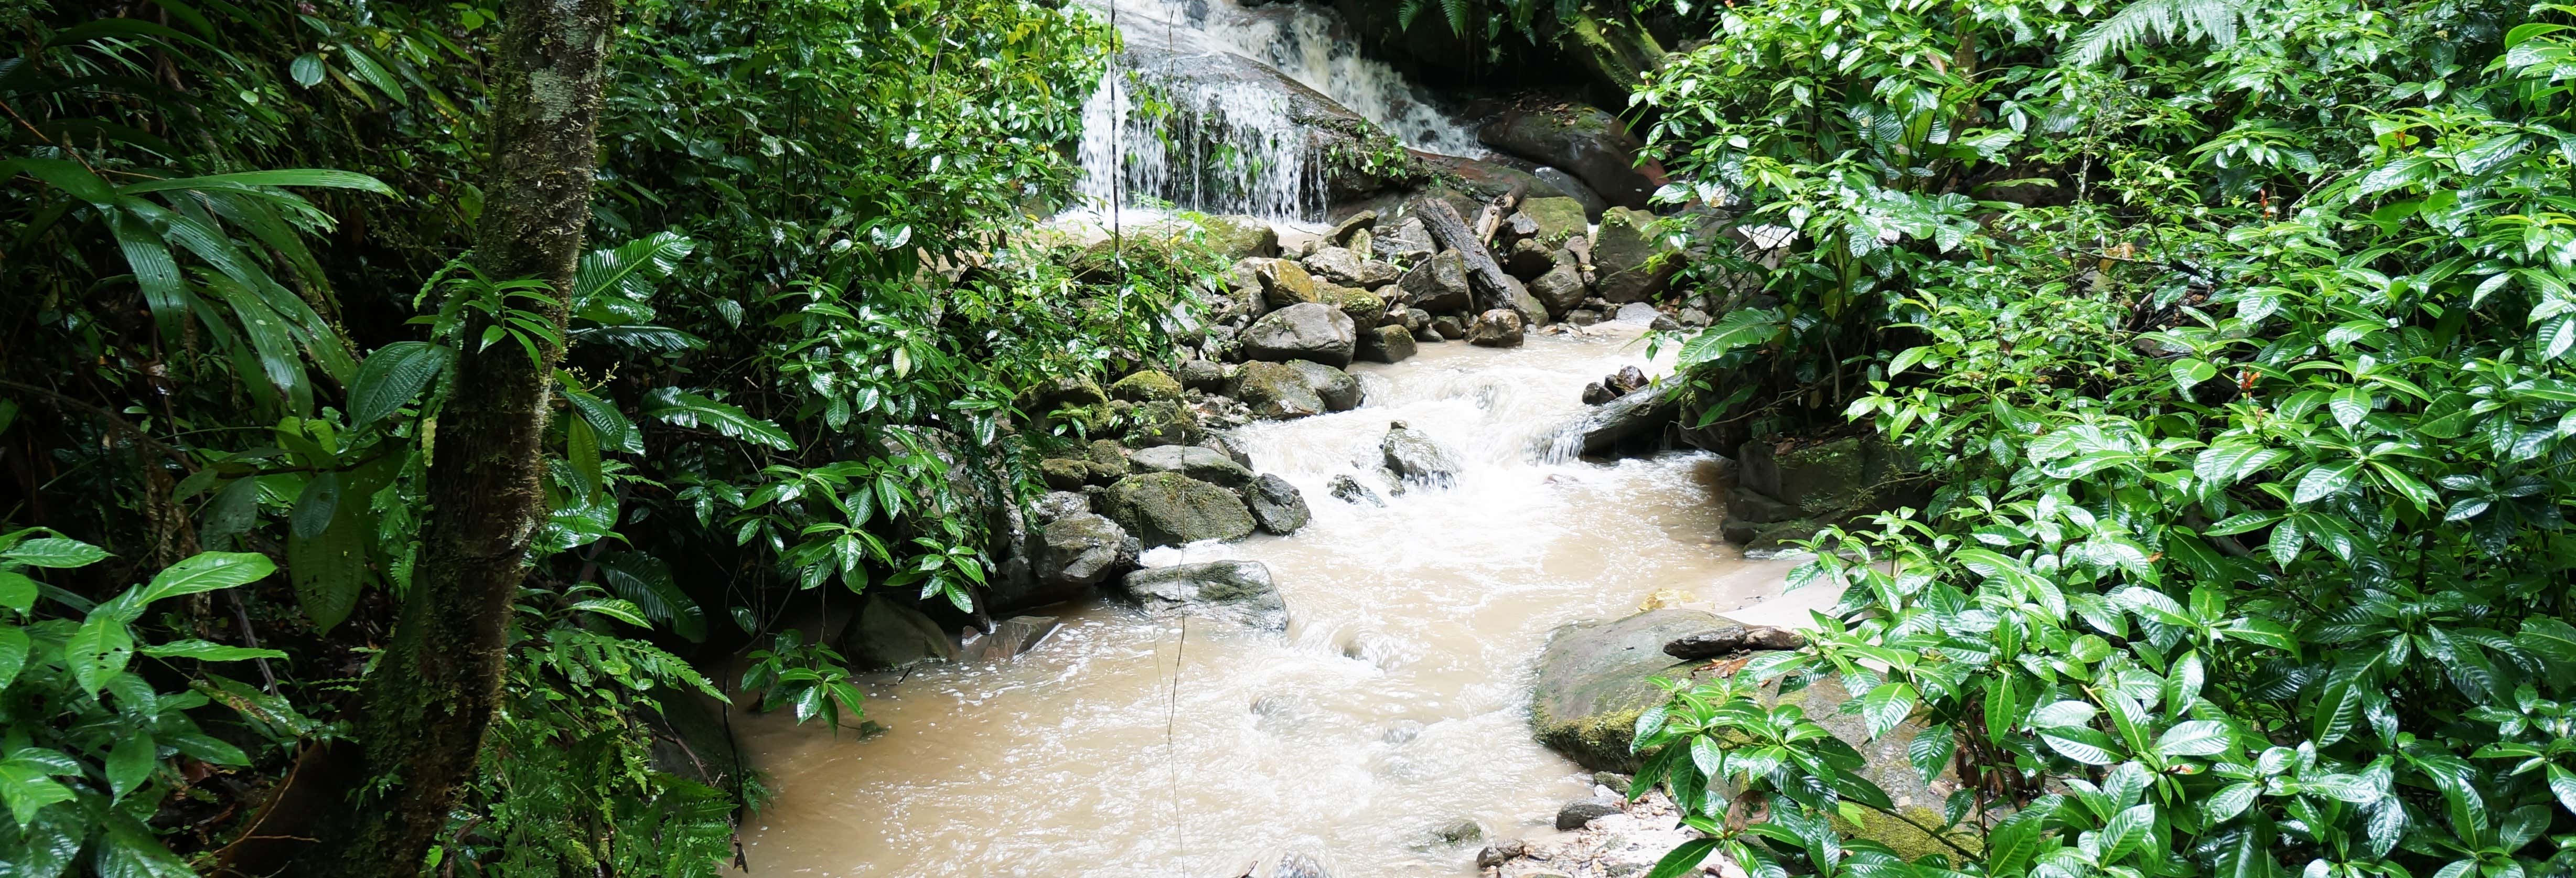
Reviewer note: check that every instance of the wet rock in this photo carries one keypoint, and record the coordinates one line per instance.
(1664, 324)
(1010, 638)
(1354, 224)
(1643, 412)
(1528, 259)
(1824, 478)
(1581, 811)
(1754, 507)
(1629, 379)
(1303, 331)
(1693, 317)
(1221, 445)
(1636, 312)
(1558, 219)
(1533, 312)
(1205, 465)
(1233, 590)
(1276, 390)
(1076, 552)
(1162, 422)
(1277, 507)
(1340, 265)
(1288, 864)
(1727, 640)
(1363, 307)
(1058, 504)
(1170, 509)
(1414, 457)
(1498, 328)
(1339, 390)
(1148, 385)
(1236, 237)
(1203, 375)
(1595, 394)
(1448, 326)
(892, 634)
(1582, 316)
(1559, 288)
(1633, 264)
(1613, 781)
(1426, 334)
(1386, 344)
(1063, 400)
(1408, 244)
(1585, 141)
(1349, 490)
(1439, 284)
(1284, 283)
(1387, 653)
(1593, 681)
(1494, 855)
(1457, 833)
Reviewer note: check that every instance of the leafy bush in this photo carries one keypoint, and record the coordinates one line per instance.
(2248, 556)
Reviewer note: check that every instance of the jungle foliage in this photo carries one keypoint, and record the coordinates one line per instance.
(239, 289)
(2235, 336)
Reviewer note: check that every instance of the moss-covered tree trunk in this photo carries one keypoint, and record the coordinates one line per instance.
(432, 693)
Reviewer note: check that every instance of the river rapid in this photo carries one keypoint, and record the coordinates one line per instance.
(1396, 705)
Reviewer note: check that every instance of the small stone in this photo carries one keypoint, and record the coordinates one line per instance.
(1664, 324)
(1626, 381)
(1596, 394)
(1427, 335)
(1364, 307)
(1386, 344)
(1582, 811)
(1203, 375)
(1349, 490)
(1448, 327)
(1498, 328)
(1583, 317)
(1496, 854)
(1284, 283)
(1461, 831)
(1362, 221)
(1206, 465)
(1065, 474)
(1412, 456)
(1615, 781)
(1637, 312)
(1340, 390)
(1058, 504)
(1528, 259)
(1514, 229)
(1694, 317)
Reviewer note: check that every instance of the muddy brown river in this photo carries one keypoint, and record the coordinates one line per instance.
(1396, 704)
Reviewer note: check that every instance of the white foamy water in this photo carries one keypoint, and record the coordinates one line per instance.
(1396, 703)
(1228, 146)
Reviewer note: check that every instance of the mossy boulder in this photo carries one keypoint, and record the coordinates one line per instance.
(1559, 219)
(1236, 237)
(1386, 344)
(1339, 389)
(1630, 262)
(1825, 477)
(1285, 283)
(1170, 509)
(1149, 385)
(1065, 474)
(1593, 681)
(1163, 422)
(1439, 284)
(1276, 390)
(1365, 308)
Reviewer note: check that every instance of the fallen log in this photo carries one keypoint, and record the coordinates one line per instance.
(1485, 278)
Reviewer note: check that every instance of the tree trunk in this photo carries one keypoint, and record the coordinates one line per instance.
(426, 704)
(1492, 287)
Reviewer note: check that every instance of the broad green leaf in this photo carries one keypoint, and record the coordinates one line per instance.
(56, 552)
(208, 571)
(329, 570)
(209, 651)
(393, 376)
(2198, 737)
(130, 763)
(2188, 372)
(17, 592)
(14, 646)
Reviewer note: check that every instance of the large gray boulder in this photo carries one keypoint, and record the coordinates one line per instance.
(1643, 412)
(1386, 344)
(1414, 457)
(1303, 331)
(1077, 552)
(892, 634)
(1593, 681)
(1439, 284)
(1232, 590)
(1170, 509)
(1339, 390)
(1407, 244)
(1560, 289)
(1276, 390)
(1630, 263)
(1586, 141)
(1203, 464)
(1277, 506)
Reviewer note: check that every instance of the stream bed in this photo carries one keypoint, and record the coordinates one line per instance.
(1396, 705)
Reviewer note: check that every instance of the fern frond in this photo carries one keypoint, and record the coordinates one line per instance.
(1457, 12)
(1405, 14)
(2136, 23)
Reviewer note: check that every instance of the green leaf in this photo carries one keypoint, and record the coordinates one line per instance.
(1886, 707)
(2188, 372)
(329, 569)
(14, 646)
(690, 410)
(2200, 737)
(393, 376)
(317, 178)
(55, 552)
(2122, 834)
(2088, 746)
(1683, 859)
(28, 790)
(614, 609)
(208, 571)
(103, 643)
(306, 70)
(208, 651)
(130, 763)
(17, 592)
(2230, 801)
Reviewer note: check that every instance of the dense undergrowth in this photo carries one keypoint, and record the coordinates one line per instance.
(2234, 335)
(790, 370)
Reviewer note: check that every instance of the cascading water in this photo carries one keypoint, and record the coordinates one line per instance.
(1396, 704)
(1230, 144)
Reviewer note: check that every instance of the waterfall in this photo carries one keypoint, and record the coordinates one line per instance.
(1210, 146)
(1230, 144)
